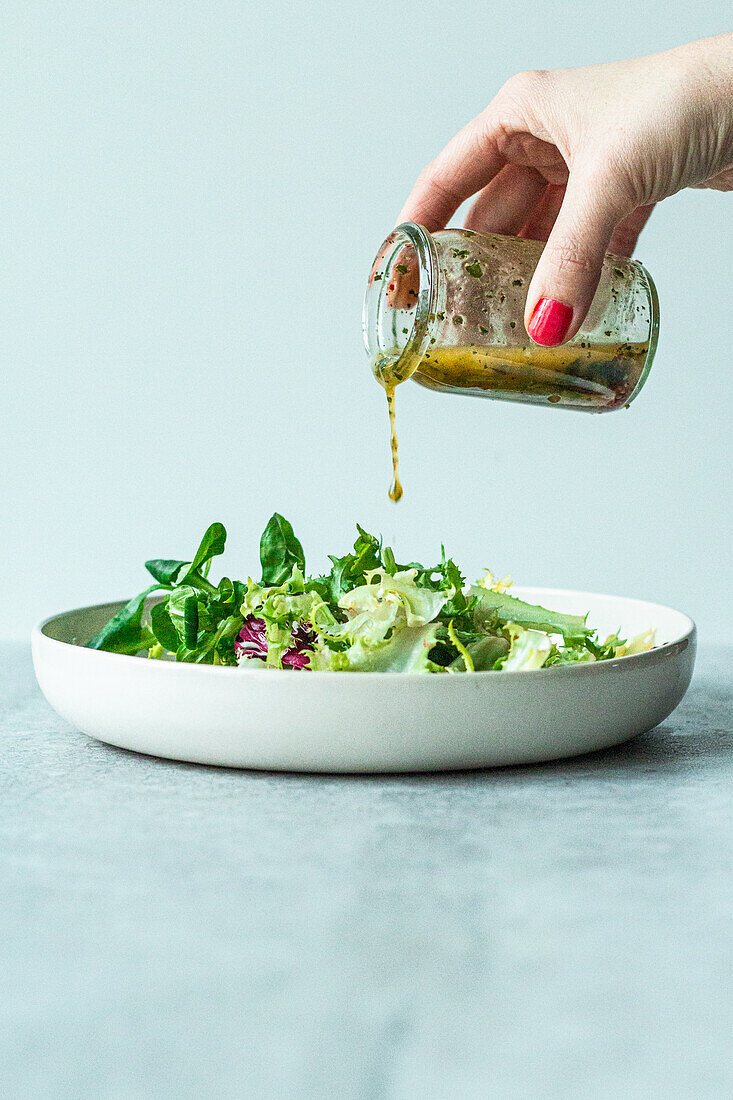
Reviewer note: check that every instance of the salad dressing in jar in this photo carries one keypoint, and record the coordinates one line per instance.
(446, 309)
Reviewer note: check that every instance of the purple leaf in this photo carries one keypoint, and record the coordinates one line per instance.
(252, 642)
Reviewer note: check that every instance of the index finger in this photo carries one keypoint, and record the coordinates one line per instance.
(469, 161)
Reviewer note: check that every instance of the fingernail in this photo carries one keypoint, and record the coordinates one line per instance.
(549, 322)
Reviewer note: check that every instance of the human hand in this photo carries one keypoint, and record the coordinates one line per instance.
(578, 158)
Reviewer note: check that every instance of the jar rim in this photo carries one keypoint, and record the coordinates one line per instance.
(413, 348)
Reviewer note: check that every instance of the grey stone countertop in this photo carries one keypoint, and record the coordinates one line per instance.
(170, 930)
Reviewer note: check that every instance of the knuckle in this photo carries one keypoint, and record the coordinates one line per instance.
(518, 107)
(504, 132)
(525, 85)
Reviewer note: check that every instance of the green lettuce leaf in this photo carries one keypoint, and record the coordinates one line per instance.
(125, 632)
(170, 571)
(350, 570)
(498, 607)
(280, 551)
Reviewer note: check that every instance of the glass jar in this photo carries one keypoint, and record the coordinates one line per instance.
(447, 308)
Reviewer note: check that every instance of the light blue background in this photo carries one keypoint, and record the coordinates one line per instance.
(191, 196)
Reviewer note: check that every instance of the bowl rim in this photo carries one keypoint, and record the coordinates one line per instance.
(648, 658)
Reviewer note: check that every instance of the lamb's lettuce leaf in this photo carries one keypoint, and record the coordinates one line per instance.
(125, 631)
(280, 551)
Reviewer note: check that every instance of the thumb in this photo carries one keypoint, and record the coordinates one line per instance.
(563, 285)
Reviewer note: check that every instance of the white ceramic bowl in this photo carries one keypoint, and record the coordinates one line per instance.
(369, 722)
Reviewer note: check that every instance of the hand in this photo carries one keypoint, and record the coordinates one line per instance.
(578, 158)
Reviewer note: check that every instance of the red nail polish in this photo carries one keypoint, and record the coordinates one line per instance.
(549, 322)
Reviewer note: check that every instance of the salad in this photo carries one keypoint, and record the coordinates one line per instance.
(367, 614)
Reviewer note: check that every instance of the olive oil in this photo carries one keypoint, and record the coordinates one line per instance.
(387, 373)
(395, 492)
(596, 377)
